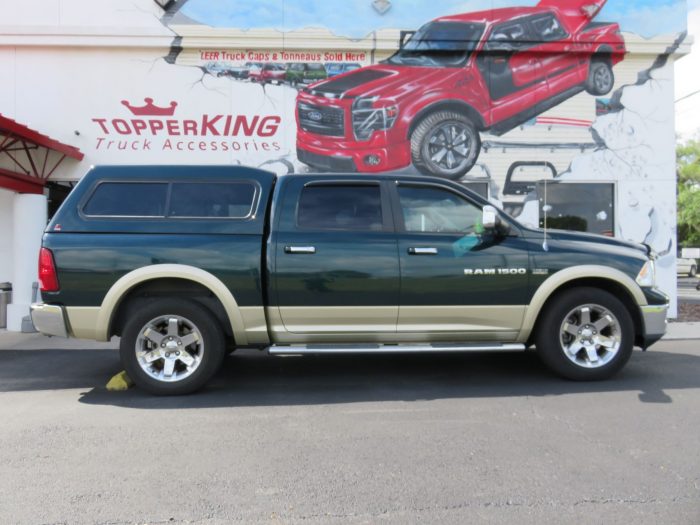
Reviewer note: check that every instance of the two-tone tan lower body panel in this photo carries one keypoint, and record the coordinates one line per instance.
(83, 323)
(394, 325)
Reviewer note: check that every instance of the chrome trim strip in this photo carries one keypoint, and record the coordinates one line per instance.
(49, 319)
(370, 348)
(300, 249)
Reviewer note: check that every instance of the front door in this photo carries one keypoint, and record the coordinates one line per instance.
(336, 268)
(457, 281)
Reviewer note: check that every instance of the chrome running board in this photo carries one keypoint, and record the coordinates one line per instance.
(372, 348)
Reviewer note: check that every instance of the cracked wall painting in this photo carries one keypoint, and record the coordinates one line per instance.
(501, 95)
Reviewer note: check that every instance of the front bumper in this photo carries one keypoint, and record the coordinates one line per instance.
(655, 321)
(348, 156)
(49, 319)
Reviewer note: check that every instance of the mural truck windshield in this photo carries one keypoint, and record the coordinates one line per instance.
(440, 44)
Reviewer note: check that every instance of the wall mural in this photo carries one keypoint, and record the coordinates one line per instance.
(537, 105)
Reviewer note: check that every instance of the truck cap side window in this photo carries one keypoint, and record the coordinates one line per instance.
(227, 200)
(127, 199)
(340, 207)
(432, 210)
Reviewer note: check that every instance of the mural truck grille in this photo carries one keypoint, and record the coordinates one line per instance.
(322, 120)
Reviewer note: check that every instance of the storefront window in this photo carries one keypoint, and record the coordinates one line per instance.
(586, 207)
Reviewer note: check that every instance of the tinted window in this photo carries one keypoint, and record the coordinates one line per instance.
(512, 35)
(223, 200)
(437, 211)
(340, 207)
(586, 207)
(439, 44)
(128, 199)
(548, 28)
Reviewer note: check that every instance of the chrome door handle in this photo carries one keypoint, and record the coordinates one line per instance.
(300, 249)
(422, 251)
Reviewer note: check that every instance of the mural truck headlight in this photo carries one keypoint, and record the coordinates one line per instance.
(366, 118)
(647, 275)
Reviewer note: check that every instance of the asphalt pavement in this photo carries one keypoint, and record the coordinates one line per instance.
(402, 439)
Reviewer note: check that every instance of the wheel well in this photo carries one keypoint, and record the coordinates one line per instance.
(603, 54)
(166, 287)
(607, 285)
(448, 105)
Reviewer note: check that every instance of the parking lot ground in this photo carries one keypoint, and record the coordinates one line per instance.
(412, 439)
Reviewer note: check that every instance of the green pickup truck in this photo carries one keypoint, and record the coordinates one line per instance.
(185, 263)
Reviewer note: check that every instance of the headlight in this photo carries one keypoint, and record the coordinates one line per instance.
(366, 119)
(647, 275)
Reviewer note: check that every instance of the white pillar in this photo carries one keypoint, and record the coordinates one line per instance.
(29, 219)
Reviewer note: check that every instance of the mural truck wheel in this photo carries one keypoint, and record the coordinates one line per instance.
(601, 78)
(445, 144)
(585, 334)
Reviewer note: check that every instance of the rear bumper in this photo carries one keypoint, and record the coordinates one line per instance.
(49, 319)
(655, 321)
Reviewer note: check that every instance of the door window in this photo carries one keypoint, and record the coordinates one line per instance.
(510, 36)
(548, 29)
(340, 207)
(433, 210)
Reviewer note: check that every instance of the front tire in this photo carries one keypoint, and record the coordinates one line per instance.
(171, 346)
(585, 334)
(445, 144)
(601, 78)
(693, 271)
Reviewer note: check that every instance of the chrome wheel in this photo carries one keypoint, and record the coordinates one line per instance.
(451, 146)
(590, 336)
(169, 348)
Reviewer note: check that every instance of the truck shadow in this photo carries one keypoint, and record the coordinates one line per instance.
(254, 379)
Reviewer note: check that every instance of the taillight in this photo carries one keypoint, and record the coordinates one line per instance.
(48, 280)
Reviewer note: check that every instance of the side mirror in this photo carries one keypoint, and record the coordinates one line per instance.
(489, 218)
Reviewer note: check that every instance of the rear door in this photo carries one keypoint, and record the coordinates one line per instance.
(457, 283)
(336, 268)
(512, 71)
(561, 56)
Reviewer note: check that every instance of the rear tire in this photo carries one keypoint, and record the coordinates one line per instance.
(445, 144)
(693, 271)
(601, 78)
(585, 334)
(171, 346)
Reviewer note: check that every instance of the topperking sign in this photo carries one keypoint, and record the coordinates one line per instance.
(155, 128)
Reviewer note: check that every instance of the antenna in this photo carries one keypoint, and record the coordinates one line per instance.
(546, 208)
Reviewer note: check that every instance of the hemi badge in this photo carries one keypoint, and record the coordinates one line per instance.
(540, 271)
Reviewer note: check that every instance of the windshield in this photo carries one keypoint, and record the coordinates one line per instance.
(440, 44)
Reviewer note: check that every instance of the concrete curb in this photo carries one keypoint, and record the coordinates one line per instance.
(682, 331)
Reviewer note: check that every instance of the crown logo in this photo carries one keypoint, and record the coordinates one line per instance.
(151, 109)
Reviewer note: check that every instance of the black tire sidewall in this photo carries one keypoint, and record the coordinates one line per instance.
(142, 312)
(590, 82)
(423, 130)
(547, 336)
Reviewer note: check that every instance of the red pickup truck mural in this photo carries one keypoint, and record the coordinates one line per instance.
(455, 77)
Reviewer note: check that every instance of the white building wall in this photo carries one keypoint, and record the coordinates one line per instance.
(6, 235)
